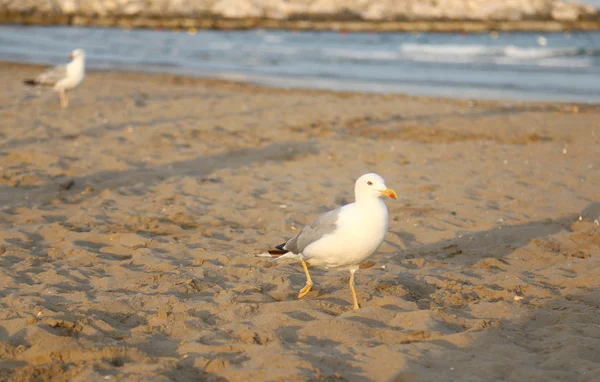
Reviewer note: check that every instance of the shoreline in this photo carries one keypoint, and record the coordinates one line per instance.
(309, 24)
(552, 105)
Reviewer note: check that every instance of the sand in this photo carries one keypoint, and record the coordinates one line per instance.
(129, 221)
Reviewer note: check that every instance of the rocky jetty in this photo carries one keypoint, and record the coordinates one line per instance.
(293, 13)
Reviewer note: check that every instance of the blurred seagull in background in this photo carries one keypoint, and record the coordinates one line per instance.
(63, 77)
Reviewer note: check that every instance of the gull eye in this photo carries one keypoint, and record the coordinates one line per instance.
(370, 183)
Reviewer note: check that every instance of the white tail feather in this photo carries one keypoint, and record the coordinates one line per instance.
(285, 258)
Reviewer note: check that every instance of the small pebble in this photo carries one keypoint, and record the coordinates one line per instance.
(67, 185)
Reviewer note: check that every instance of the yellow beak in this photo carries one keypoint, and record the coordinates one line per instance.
(389, 192)
(71, 56)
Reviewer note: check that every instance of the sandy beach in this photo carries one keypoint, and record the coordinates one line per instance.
(129, 224)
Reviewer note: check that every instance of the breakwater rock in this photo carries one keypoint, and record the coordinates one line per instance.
(302, 14)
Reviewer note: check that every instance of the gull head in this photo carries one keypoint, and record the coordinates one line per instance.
(77, 54)
(372, 186)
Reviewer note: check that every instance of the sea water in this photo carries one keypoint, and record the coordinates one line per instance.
(523, 66)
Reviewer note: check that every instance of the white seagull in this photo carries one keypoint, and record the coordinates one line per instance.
(342, 238)
(63, 77)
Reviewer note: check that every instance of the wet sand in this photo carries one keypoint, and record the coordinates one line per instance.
(129, 223)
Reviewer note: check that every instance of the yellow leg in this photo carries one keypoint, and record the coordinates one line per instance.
(304, 291)
(352, 289)
(64, 101)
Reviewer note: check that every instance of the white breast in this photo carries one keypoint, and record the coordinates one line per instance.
(361, 230)
(75, 75)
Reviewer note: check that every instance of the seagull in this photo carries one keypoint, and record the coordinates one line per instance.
(342, 238)
(63, 77)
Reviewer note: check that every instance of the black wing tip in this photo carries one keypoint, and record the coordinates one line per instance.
(276, 252)
(30, 82)
(281, 247)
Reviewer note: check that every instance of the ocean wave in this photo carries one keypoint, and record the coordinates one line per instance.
(517, 52)
(451, 50)
(549, 62)
(483, 51)
(470, 54)
(363, 55)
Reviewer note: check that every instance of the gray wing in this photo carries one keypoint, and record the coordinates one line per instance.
(313, 231)
(52, 75)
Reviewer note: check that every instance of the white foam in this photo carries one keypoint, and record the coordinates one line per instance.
(362, 54)
(482, 50)
(501, 55)
(450, 50)
(532, 53)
